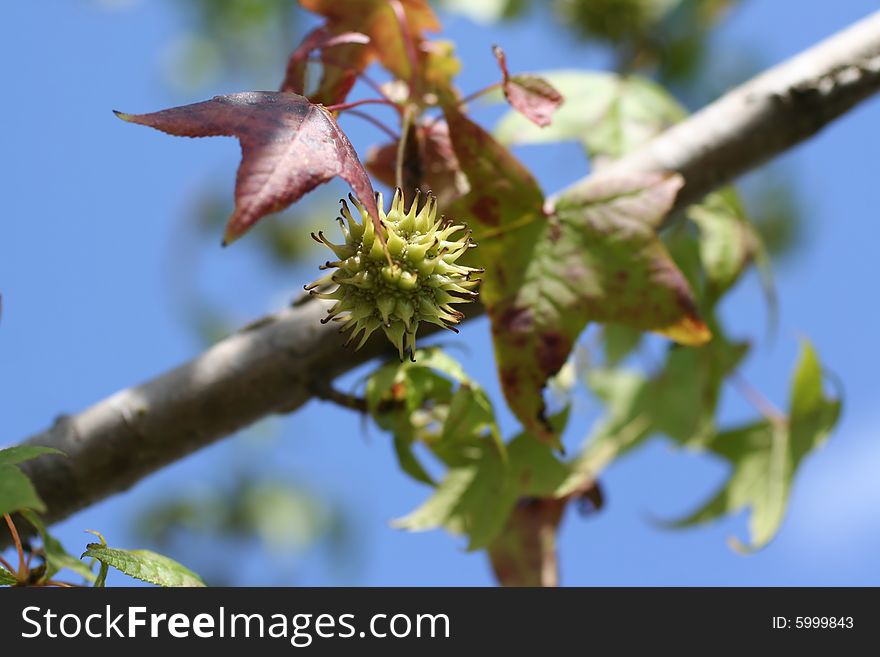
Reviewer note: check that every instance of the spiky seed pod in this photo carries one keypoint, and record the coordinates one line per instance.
(418, 280)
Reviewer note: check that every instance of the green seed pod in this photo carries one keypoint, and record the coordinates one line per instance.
(418, 279)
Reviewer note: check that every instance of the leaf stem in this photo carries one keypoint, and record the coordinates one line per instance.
(757, 399)
(376, 122)
(342, 107)
(329, 393)
(22, 567)
(405, 124)
(408, 43)
(479, 92)
(7, 565)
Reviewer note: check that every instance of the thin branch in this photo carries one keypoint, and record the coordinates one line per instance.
(376, 122)
(342, 107)
(479, 92)
(7, 565)
(405, 126)
(272, 367)
(326, 392)
(408, 44)
(757, 399)
(16, 539)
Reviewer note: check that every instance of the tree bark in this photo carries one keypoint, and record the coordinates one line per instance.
(278, 363)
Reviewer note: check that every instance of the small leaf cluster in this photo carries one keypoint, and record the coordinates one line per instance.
(39, 566)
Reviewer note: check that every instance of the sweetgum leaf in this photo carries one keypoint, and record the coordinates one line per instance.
(765, 455)
(619, 341)
(17, 492)
(145, 565)
(289, 146)
(530, 95)
(598, 259)
(57, 558)
(610, 115)
(613, 115)
(20, 453)
(729, 243)
(679, 402)
(418, 402)
(474, 499)
(376, 18)
(343, 56)
(503, 195)
(478, 494)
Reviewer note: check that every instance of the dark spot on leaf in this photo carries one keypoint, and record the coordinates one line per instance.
(553, 349)
(554, 232)
(517, 320)
(509, 379)
(486, 210)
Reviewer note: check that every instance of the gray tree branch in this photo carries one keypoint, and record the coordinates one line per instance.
(275, 364)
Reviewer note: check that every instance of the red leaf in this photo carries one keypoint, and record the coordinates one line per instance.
(289, 146)
(343, 56)
(377, 19)
(530, 95)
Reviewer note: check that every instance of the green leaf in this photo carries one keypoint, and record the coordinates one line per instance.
(101, 579)
(678, 402)
(17, 492)
(57, 558)
(619, 341)
(476, 497)
(729, 244)
(765, 456)
(470, 413)
(7, 578)
(609, 114)
(418, 402)
(612, 116)
(21, 453)
(598, 259)
(473, 499)
(144, 565)
(408, 461)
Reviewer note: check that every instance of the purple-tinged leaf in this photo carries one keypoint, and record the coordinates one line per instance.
(530, 95)
(289, 146)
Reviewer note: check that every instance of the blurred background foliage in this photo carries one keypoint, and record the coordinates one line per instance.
(230, 45)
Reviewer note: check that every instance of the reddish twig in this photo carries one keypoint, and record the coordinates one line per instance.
(7, 565)
(342, 107)
(408, 43)
(757, 399)
(376, 122)
(479, 92)
(22, 569)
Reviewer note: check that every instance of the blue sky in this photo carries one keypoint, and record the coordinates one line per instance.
(96, 249)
